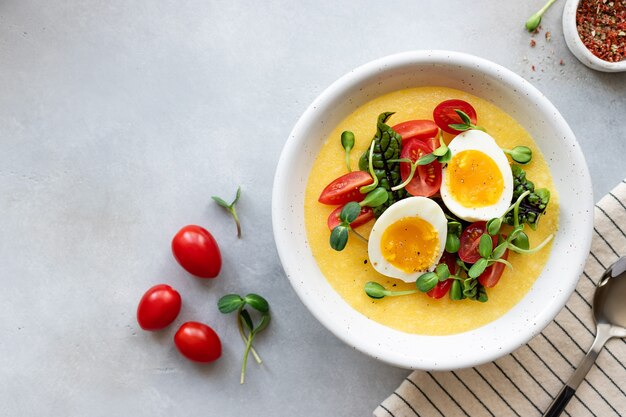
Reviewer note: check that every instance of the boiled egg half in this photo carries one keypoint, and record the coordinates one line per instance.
(477, 182)
(408, 238)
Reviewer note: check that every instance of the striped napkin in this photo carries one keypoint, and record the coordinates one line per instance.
(525, 382)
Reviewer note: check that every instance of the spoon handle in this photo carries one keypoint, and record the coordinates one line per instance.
(569, 389)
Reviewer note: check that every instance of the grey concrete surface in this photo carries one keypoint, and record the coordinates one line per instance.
(118, 121)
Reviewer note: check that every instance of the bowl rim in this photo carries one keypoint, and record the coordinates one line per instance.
(280, 201)
(578, 48)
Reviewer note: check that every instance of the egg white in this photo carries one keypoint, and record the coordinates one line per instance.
(479, 141)
(422, 207)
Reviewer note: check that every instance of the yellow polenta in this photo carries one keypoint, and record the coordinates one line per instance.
(349, 270)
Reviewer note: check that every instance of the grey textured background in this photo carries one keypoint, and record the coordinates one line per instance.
(118, 120)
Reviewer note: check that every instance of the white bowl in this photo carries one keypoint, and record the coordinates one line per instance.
(578, 48)
(520, 100)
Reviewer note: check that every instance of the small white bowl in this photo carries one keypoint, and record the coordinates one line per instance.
(578, 48)
(519, 99)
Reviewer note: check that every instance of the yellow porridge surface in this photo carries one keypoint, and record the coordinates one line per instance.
(348, 271)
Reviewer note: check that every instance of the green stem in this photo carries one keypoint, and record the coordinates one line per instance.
(360, 236)
(245, 357)
(348, 160)
(256, 356)
(397, 293)
(502, 261)
(234, 213)
(367, 188)
(544, 8)
(516, 208)
(533, 250)
(408, 179)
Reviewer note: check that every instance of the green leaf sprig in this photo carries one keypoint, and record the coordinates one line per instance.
(533, 21)
(466, 123)
(247, 329)
(386, 148)
(349, 213)
(377, 291)
(347, 141)
(533, 207)
(231, 208)
(520, 154)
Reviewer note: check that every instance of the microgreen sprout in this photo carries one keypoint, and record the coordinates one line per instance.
(467, 123)
(370, 166)
(349, 213)
(233, 302)
(377, 291)
(423, 160)
(231, 208)
(520, 154)
(443, 153)
(347, 141)
(533, 21)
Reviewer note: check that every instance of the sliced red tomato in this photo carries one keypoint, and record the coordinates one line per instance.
(442, 288)
(492, 274)
(345, 188)
(445, 115)
(427, 178)
(364, 216)
(470, 239)
(424, 130)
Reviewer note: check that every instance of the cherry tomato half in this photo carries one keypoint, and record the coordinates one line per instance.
(443, 287)
(364, 216)
(424, 130)
(440, 289)
(444, 114)
(197, 252)
(492, 274)
(470, 239)
(345, 188)
(427, 178)
(158, 307)
(198, 342)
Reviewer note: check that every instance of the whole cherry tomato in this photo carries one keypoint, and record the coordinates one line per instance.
(470, 239)
(198, 342)
(427, 178)
(196, 250)
(345, 188)
(492, 274)
(445, 115)
(365, 215)
(158, 307)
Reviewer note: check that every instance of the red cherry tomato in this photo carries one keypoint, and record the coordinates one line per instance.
(444, 114)
(424, 130)
(492, 274)
(158, 307)
(364, 216)
(427, 178)
(470, 239)
(345, 188)
(440, 289)
(197, 252)
(443, 287)
(198, 342)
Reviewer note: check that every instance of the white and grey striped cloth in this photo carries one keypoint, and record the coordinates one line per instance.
(525, 382)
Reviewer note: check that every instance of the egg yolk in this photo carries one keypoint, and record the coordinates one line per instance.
(410, 244)
(474, 179)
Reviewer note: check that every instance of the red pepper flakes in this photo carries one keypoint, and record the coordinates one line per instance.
(532, 43)
(548, 36)
(601, 25)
